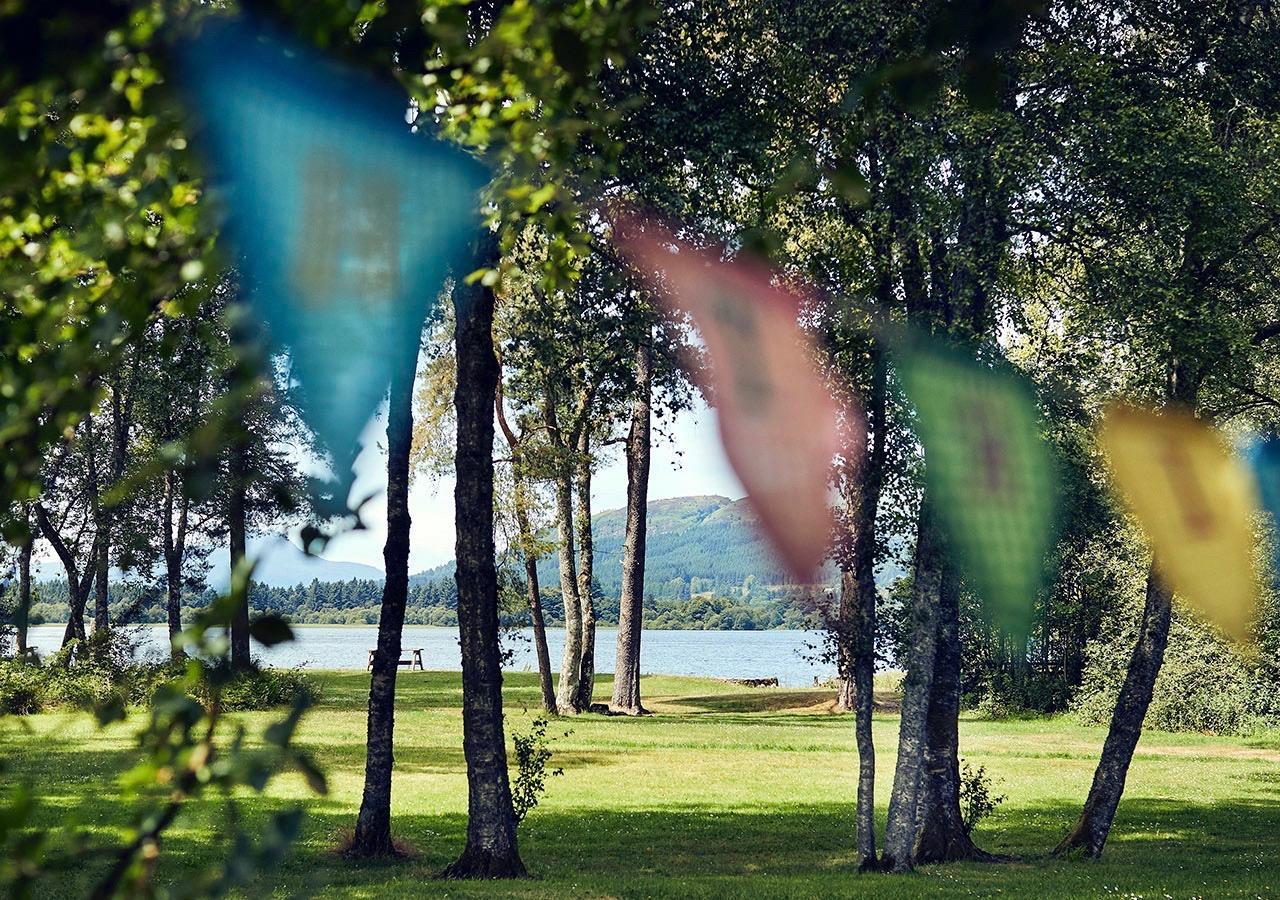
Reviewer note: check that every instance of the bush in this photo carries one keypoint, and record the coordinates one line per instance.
(268, 689)
(1204, 685)
(532, 753)
(21, 689)
(104, 672)
(93, 674)
(976, 800)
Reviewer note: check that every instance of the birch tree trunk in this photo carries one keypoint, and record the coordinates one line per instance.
(1094, 825)
(904, 801)
(626, 669)
(586, 570)
(942, 836)
(858, 592)
(571, 663)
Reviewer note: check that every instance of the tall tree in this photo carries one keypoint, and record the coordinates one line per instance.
(491, 850)
(626, 670)
(373, 824)
(521, 478)
(69, 484)
(178, 398)
(1167, 275)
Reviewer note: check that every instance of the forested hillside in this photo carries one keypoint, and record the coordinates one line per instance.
(694, 545)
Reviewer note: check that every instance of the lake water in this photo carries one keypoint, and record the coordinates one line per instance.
(718, 654)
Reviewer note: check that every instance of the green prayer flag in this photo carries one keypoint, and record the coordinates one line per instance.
(992, 479)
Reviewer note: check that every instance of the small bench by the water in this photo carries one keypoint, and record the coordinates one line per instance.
(413, 660)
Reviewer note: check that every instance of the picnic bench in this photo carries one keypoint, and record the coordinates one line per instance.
(413, 659)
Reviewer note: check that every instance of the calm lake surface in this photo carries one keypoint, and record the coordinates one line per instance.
(784, 655)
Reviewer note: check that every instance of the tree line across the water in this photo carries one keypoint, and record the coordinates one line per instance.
(434, 601)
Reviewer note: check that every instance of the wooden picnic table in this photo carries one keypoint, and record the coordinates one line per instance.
(413, 659)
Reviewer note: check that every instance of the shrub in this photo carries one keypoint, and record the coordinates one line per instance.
(1204, 685)
(976, 799)
(532, 753)
(21, 689)
(268, 689)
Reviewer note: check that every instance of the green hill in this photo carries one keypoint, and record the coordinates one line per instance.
(695, 544)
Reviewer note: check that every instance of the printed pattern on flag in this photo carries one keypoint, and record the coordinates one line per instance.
(346, 223)
(778, 421)
(1263, 458)
(993, 480)
(1196, 503)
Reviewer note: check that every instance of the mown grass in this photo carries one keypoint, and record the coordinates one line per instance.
(725, 791)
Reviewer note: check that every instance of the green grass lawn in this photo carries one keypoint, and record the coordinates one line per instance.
(724, 791)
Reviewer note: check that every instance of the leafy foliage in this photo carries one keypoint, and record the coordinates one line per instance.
(532, 754)
(976, 799)
(1205, 684)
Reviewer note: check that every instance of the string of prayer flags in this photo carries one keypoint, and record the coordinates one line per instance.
(1196, 503)
(347, 223)
(779, 423)
(993, 480)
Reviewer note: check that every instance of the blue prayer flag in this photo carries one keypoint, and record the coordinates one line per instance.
(346, 222)
(1263, 457)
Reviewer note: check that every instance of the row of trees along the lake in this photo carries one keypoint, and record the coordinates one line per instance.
(435, 602)
(1088, 191)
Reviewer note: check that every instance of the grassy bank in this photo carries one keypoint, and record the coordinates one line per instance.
(725, 791)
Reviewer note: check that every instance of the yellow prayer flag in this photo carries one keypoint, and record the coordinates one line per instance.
(1196, 502)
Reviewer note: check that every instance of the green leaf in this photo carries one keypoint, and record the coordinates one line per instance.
(109, 711)
(311, 772)
(270, 629)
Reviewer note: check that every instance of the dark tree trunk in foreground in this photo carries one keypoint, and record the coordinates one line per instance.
(491, 850)
(626, 669)
(942, 836)
(1090, 832)
(900, 829)
(373, 825)
(23, 612)
(586, 572)
(236, 512)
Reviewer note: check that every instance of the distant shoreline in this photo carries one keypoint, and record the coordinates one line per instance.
(455, 628)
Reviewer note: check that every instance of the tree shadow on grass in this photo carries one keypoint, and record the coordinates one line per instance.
(686, 850)
(776, 849)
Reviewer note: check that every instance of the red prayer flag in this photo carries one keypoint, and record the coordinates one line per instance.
(779, 423)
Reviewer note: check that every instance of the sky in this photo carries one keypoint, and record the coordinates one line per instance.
(690, 462)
